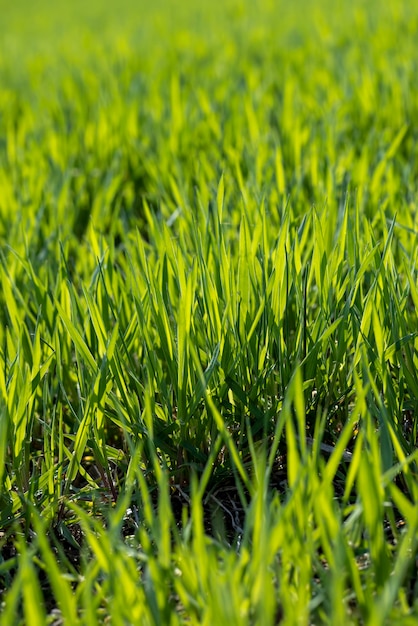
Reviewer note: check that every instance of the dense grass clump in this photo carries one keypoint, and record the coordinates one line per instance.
(208, 337)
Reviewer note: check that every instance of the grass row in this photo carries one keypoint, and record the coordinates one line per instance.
(208, 338)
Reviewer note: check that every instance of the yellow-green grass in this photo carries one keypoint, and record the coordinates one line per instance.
(208, 329)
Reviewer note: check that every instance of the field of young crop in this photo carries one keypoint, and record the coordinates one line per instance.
(208, 313)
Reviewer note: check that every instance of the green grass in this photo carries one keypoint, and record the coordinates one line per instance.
(208, 326)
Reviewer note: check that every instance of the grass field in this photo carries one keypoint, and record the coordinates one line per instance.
(208, 321)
